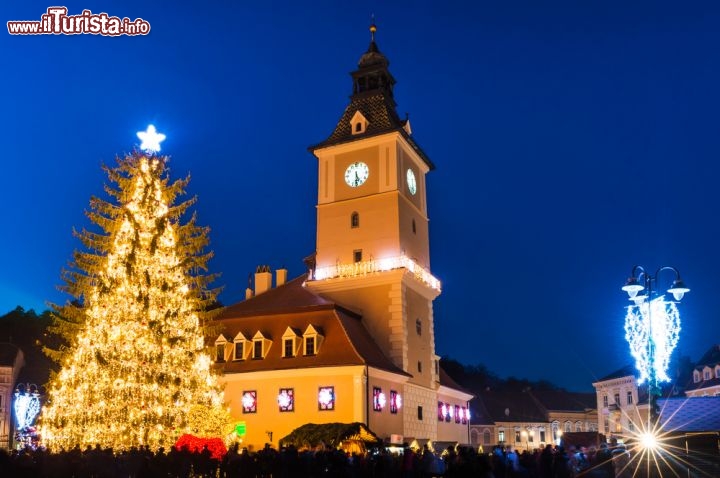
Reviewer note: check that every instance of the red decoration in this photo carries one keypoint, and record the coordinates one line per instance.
(196, 445)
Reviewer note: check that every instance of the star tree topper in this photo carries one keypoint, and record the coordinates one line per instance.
(151, 139)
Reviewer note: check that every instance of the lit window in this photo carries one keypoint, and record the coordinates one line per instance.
(501, 436)
(257, 349)
(448, 412)
(249, 401)
(464, 415)
(309, 345)
(395, 401)
(286, 400)
(220, 352)
(326, 398)
(418, 326)
(568, 427)
(629, 398)
(289, 348)
(517, 436)
(357, 255)
(379, 399)
(442, 411)
(239, 349)
(355, 220)
(458, 418)
(555, 430)
(578, 426)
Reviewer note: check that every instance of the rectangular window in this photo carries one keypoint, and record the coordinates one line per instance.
(706, 374)
(257, 349)
(220, 353)
(357, 255)
(419, 366)
(463, 415)
(542, 436)
(631, 426)
(517, 436)
(289, 348)
(249, 401)
(605, 401)
(309, 345)
(378, 399)
(442, 411)
(606, 425)
(239, 349)
(629, 398)
(617, 399)
(457, 414)
(394, 402)
(501, 436)
(326, 398)
(420, 413)
(418, 326)
(448, 412)
(286, 400)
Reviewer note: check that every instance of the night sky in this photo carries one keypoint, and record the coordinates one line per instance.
(572, 140)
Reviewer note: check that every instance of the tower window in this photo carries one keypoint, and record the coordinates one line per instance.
(418, 326)
(419, 366)
(420, 413)
(413, 226)
(355, 220)
(357, 255)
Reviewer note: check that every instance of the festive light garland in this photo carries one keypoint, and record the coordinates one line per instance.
(372, 266)
(660, 318)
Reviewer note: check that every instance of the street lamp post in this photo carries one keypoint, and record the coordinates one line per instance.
(652, 327)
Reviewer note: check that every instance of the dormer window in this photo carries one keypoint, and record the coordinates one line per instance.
(291, 341)
(312, 339)
(696, 376)
(240, 348)
(358, 123)
(706, 374)
(261, 346)
(220, 349)
(717, 371)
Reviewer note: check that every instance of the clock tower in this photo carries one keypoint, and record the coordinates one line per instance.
(372, 252)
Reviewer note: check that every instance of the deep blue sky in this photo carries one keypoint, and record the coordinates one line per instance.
(572, 140)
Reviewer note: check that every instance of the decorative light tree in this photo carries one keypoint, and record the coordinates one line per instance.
(27, 407)
(134, 370)
(652, 328)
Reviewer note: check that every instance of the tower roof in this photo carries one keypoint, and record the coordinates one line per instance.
(373, 97)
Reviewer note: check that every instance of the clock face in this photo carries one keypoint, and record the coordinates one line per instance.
(412, 184)
(356, 174)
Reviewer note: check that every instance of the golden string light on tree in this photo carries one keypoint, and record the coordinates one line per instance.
(133, 368)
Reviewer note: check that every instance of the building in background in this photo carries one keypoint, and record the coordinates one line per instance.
(706, 375)
(11, 361)
(353, 340)
(531, 419)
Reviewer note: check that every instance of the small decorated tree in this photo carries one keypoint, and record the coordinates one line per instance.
(133, 366)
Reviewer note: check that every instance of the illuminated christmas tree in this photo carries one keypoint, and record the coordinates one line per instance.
(133, 366)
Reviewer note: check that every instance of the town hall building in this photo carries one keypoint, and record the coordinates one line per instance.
(353, 339)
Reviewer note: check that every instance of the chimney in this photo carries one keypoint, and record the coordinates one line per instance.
(249, 291)
(263, 279)
(280, 276)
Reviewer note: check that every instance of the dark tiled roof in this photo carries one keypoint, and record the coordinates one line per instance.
(379, 110)
(698, 414)
(447, 381)
(711, 358)
(510, 407)
(8, 354)
(623, 372)
(562, 401)
(289, 297)
(713, 382)
(345, 339)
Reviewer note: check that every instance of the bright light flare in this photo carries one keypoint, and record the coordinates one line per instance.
(648, 440)
(660, 318)
(150, 139)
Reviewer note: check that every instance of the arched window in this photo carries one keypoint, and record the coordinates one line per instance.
(487, 437)
(354, 220)
(578, 426)
(568, 426)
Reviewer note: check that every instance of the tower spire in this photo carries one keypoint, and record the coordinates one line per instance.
(373, 28)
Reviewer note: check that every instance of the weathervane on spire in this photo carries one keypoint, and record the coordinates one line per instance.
(373, 27)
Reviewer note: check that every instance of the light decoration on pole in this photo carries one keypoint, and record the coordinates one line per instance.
(150, 140)
(27, 408)
(652, 328)
(660, 318)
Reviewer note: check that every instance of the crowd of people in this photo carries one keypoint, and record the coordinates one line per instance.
(289, 462)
